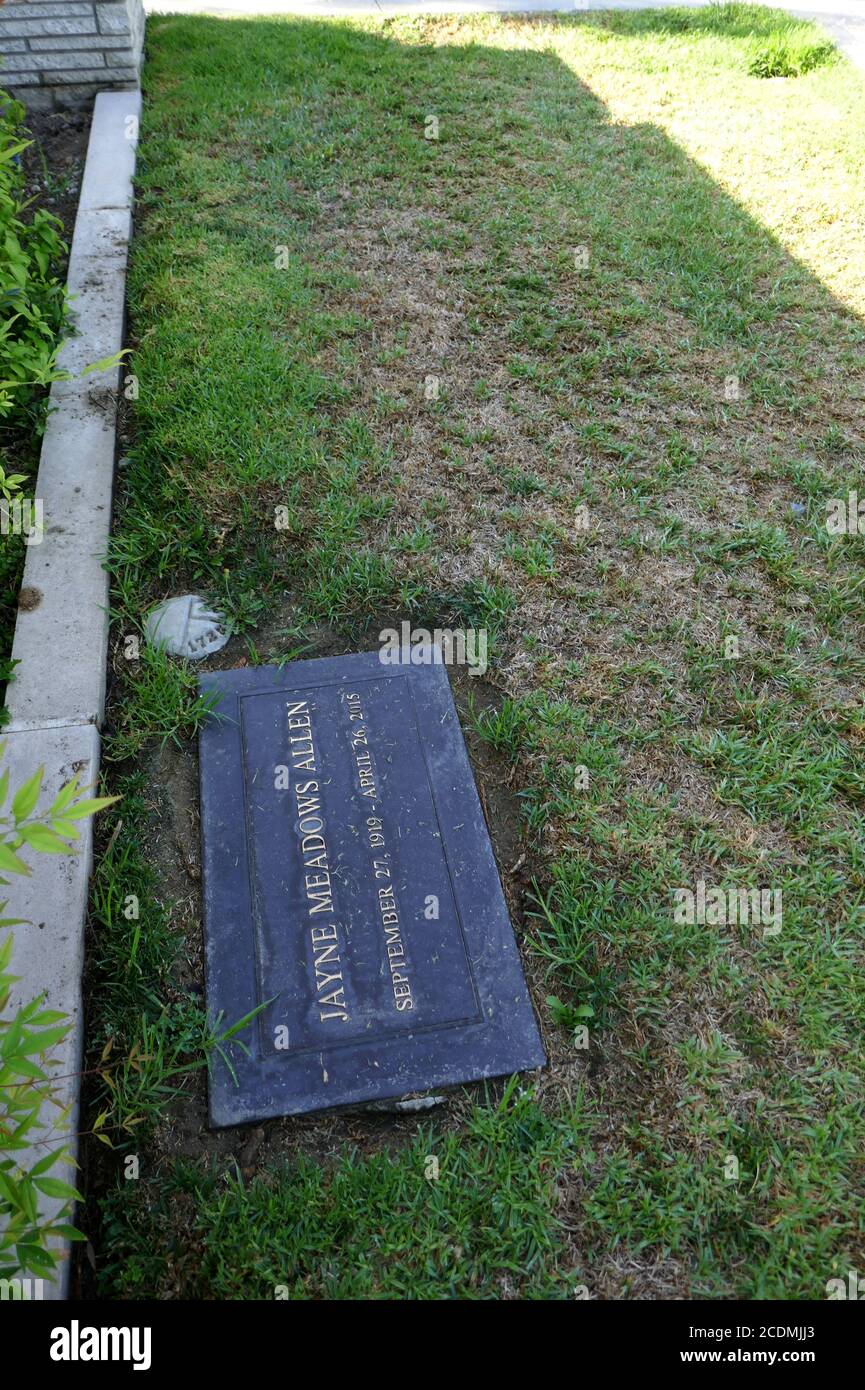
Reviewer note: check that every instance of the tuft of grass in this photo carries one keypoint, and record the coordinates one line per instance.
(504, 728)
(133, 949)
(161, 703)
(789, 54)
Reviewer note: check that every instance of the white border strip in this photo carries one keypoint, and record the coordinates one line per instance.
(61, 637)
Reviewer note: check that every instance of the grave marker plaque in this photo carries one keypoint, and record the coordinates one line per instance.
(350, 887)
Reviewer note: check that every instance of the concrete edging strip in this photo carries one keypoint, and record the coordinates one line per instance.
(56, 699)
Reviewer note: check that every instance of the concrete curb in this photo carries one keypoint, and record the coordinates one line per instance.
(61, 638)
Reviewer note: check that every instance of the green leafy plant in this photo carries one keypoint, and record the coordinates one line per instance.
(10, 483)
(32, 300)
(569, 1016)
(26, 1040)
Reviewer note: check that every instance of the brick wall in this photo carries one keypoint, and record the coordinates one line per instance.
(62, 52)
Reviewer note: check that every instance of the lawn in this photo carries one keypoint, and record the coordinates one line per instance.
(551, 326)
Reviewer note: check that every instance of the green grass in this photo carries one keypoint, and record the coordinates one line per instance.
(164, 702)
(453, 1216)
(304, 260)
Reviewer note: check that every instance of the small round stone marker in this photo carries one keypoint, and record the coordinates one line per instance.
(185, 626)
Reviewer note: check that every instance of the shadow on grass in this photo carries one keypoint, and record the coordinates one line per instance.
(259, 130)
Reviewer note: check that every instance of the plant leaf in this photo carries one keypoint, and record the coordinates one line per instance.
(27, 795)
